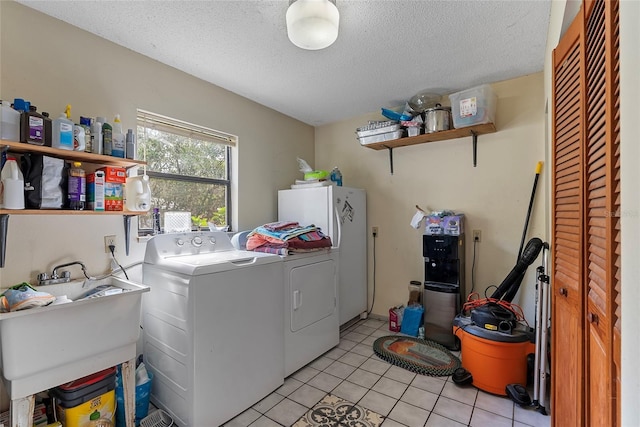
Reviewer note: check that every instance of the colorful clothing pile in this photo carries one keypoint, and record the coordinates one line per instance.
(285, 237)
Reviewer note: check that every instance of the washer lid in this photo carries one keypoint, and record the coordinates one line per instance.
(215, 262)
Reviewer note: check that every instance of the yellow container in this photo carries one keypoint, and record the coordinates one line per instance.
(79, 416)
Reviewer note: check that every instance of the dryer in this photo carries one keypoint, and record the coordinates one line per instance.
(213, 334)
(312, 317)
(310, 290)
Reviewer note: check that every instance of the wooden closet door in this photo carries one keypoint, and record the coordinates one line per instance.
(602, 210)
(586, 220)
(567, 298)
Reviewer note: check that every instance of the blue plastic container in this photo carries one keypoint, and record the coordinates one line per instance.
(143, 393)
(412, 320)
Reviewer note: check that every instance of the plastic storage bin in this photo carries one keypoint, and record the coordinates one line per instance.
(473, 106)
(82, 398)
(381, 137)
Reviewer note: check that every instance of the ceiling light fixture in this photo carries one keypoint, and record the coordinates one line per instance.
(312, 24)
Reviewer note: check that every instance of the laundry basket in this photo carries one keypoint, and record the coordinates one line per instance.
(157, 418)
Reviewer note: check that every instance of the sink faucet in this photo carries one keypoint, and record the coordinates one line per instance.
(64, 277)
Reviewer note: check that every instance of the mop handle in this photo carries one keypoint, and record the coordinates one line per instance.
(533, 195)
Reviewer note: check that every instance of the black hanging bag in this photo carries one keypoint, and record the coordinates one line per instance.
(45, 181)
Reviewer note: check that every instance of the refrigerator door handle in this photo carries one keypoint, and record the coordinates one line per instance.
(338, 226)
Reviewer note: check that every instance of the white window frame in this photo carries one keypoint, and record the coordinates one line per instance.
(147, 119)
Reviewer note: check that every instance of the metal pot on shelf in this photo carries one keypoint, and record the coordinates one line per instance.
(437, 119)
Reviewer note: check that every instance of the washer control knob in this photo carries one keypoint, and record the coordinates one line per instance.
(212, 240)
(179, 242)
(196, 241)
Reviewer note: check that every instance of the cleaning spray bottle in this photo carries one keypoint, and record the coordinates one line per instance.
(117, 138)
(62, 130)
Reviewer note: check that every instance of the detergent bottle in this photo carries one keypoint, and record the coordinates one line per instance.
(12, 185)
(62, 130)
(117, 138)
(107, 138)
(137, 193)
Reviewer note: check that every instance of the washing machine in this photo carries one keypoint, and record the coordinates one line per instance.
(212, 326)
(312, 318)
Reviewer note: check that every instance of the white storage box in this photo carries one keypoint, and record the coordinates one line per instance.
(381, 137)
(473, 106)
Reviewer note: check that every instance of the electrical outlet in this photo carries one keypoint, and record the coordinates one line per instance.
(477, 236)
(108, 241)
(374, 231)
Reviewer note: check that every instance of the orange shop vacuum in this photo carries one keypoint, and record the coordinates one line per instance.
(497, 344)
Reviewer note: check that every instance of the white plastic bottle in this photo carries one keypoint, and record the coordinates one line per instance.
(137, 193)
(96, 135)
(62, 131)
(117, 138)
(12, 185)
(9, 122)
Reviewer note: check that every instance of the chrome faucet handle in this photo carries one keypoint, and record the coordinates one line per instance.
(65, 274)
(42, 277)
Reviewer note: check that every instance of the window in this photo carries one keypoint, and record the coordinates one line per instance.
(188, 167)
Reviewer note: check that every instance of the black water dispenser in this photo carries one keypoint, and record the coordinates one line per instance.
(444, 286)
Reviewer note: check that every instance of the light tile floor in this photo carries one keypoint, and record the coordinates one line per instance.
(350, 386)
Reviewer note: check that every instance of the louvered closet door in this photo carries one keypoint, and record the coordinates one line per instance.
(586, 220)
(567, 229)
(602, 210)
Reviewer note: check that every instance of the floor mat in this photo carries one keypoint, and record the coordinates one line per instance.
(416, 355)
(333, 411)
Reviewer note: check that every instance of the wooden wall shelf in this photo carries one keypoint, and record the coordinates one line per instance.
(472, 131)
(65, 212)
(434, 137)
(74, 156)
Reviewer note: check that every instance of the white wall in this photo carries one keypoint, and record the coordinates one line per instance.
(630, 208)
(53, 64)
(494, 195)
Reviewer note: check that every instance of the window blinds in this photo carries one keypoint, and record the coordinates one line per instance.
(179, 127)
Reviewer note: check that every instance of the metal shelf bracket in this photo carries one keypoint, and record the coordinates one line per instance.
(474, 135)
(4, 228)
(390, 159)
(127, 232)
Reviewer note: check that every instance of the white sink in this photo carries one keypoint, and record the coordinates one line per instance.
(44, 347)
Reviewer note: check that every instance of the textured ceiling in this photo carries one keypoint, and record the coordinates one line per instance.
(386, 52)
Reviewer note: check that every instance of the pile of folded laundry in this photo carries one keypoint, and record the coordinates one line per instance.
(286, 237)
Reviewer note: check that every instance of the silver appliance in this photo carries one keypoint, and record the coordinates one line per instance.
(444, 286)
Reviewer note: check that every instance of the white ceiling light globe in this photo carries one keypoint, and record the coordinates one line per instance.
(312, 24)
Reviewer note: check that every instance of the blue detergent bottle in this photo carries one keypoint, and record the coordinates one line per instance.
(336, 176)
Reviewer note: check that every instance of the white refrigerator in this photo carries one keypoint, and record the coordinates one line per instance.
(341, 214)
